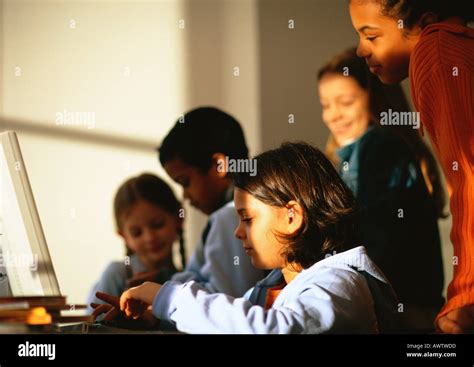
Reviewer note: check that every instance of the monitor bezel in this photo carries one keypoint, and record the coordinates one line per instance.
(29, 212)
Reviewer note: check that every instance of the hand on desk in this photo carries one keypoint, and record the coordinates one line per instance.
(111, 309)
(136, 301)
(112, 312)
(458, 321)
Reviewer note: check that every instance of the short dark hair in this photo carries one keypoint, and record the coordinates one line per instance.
(410, 11)
(300, 172)
(200, 134)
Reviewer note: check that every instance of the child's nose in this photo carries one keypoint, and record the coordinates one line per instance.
(239, 232)
(333, 114)
(362, 51)
(150, 234)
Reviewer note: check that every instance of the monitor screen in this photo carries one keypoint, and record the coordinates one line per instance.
(25, 263)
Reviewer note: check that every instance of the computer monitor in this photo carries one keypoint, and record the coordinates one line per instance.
(24, 254)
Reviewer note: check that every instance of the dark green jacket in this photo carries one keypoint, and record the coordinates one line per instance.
(397, 216)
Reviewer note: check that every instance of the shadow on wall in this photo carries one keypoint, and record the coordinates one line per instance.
(295, 39)
(77, 135)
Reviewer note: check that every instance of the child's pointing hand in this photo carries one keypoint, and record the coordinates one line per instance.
(135, 301)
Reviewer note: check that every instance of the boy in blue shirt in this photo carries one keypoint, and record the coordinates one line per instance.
(192, 154)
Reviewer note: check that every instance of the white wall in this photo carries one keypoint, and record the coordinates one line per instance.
(289, 62)
(121, 61)
(221, 35)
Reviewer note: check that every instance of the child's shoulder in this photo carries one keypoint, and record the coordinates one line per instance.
(440, 44)
(382, 144)
(382, 136)
(350, 264)
(116, 269)
(225, 212)
(223, 223)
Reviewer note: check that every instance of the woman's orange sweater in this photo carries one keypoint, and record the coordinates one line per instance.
(442, 88)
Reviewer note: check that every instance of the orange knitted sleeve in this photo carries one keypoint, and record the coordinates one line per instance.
(442, 82)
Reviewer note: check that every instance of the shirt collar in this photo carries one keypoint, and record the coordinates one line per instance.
(345, 152)
(356, 257)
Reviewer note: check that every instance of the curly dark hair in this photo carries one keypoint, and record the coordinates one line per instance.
(300, 172)
(410, 11)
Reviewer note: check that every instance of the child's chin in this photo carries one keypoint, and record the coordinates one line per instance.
(157, 257)
(390, 79)
(254, 263)
(257, 264)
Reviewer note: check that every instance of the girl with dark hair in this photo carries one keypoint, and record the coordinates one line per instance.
(296, 217)
(429, 41)
(147, 218)
(396, 182)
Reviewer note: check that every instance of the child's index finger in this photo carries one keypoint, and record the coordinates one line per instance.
(114, 301)
(123, 300)
(111, 314)
(100, 309)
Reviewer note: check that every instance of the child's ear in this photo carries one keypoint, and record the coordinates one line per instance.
(294, 216)
(120, 233)
(219, 164)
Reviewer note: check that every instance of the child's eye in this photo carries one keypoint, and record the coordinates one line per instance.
(370, 38)
(347, 103)
(135, 234)
(157, 225)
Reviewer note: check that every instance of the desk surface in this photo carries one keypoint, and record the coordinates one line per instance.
(77, 328)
